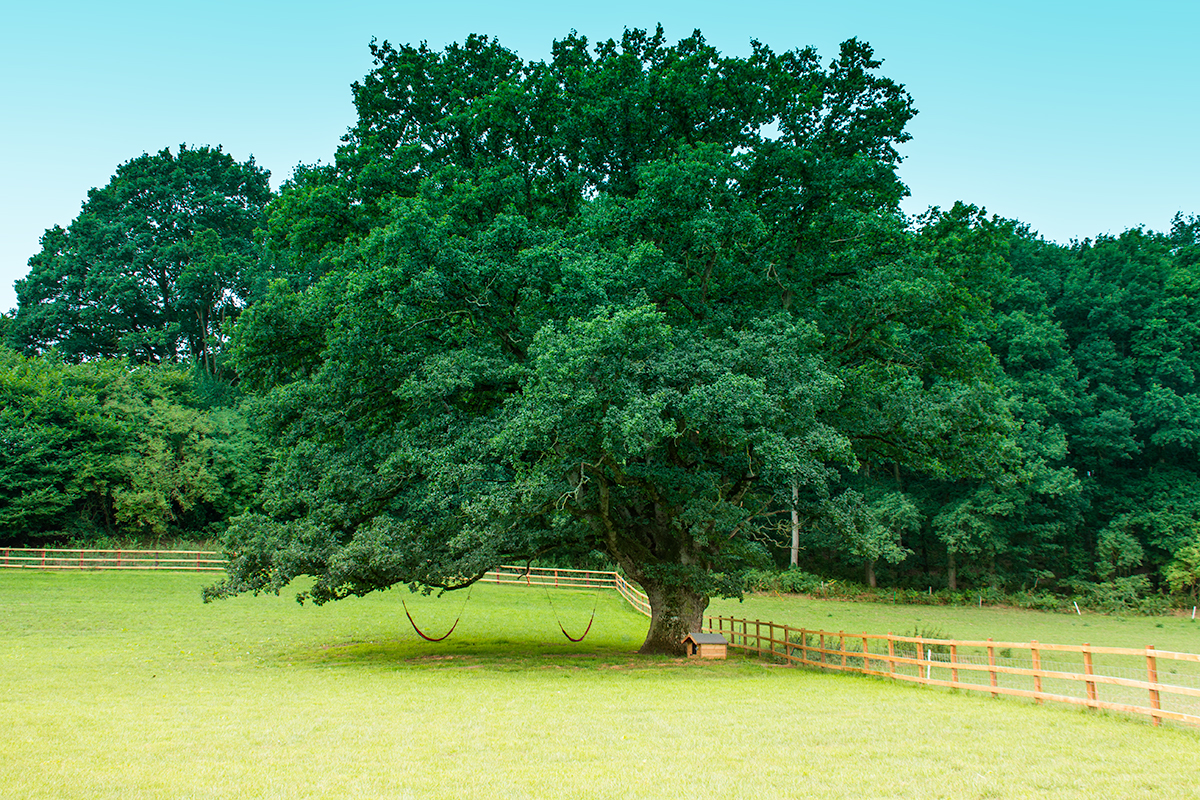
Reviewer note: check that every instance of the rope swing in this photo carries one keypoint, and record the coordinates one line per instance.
(583, 635)
(445, 635)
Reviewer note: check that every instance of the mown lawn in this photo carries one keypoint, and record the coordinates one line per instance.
(125, 685)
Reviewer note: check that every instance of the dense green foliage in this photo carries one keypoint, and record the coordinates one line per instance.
(1098, 342)
(104, 451)
(639, 301)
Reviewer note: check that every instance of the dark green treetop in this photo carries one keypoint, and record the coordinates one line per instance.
(152, 266)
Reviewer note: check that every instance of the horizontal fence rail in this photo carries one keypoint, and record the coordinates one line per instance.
(548, 576)
(77, 558)
(633, 595)
(1157, 683)
(571, 578)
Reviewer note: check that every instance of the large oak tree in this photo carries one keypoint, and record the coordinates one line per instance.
(633, 298)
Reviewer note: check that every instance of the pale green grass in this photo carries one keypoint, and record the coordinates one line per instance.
(125, 685)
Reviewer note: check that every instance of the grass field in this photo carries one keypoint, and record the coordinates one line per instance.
(125, 685)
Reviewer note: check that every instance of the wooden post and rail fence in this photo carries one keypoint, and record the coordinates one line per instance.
(74, 558)
(1156, 683)
(572, 578)
(83, 558)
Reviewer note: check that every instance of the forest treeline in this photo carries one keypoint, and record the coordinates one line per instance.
(523, 294)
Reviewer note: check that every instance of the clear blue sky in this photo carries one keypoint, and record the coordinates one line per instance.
(1078, 118)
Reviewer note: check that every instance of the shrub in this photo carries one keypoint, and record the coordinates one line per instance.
(792, 581)
(1127, 594)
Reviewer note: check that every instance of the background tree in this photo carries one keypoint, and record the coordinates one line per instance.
(155, 263)
(865, 530)
(1127, 306)
(1183, 573)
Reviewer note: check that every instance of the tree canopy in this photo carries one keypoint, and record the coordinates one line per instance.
(629, 299)
(152, 267)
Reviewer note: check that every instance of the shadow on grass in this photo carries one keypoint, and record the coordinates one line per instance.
(500, 655)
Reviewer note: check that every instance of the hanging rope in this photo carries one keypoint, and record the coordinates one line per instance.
(583, 635)
(445, 635)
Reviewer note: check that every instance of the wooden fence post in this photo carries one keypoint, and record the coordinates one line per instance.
(891, 655)
(920, 656)
(1088, 669)
(954, 664)
(992, 664)
(1152, 677)
(1037, 671)
(823, 660)
(842, 646)
(866, 653)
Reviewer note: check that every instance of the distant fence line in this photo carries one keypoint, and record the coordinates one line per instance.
(1055, 672)
(79, 558)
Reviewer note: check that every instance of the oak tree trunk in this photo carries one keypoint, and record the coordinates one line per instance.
(674, 613)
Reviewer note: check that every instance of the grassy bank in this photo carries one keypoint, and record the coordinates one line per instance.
(124, 685)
